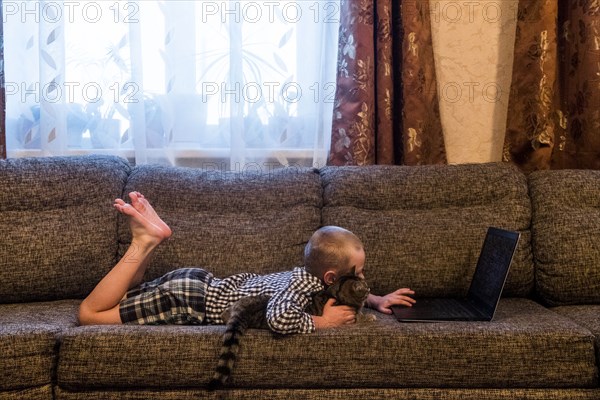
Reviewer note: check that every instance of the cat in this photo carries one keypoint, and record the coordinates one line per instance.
(250, 312)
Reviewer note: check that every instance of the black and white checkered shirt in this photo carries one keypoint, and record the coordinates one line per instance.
(290, 292)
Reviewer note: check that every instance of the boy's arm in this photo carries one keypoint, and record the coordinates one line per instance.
(383, 304)
(334, 316)
(285, 311)
(287, 318)
(285, 315)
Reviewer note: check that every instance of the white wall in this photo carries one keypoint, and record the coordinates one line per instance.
(473, 47)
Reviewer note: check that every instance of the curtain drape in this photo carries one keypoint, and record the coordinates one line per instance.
(230, 85)
(554, 107)
(386, 107)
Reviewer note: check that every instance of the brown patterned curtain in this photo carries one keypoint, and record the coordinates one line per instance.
(554, 108)
(386, 108)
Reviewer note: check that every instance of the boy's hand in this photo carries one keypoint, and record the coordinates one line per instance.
(400, 297)
(334, 316)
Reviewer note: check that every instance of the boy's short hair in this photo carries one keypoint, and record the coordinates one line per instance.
(328, 249)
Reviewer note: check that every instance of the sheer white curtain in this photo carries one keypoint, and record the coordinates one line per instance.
(233, 85)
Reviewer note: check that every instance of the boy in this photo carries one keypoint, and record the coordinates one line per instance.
(194, 296)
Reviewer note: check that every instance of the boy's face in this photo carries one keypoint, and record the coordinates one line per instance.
(357, 259)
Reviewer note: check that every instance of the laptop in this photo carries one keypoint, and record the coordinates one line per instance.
(485, 289)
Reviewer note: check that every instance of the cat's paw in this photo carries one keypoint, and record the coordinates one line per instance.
(361, 318)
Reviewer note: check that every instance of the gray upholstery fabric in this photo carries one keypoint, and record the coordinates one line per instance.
(57, 225)
(566, 225)
(28, 338)
(27, 355)
(38, 393)
(587, 316)
(60, 313)
(340, 394)
(526, 346)
(230, 222)
(423, 227)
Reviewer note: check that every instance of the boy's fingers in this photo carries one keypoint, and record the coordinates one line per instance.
(409, 299)
(350, 315)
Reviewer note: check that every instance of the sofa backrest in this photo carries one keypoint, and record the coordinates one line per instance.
(423, 227)
(566, 242)
(57, 225)
(229, 222)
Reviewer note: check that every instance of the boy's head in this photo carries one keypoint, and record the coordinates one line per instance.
(332, 252)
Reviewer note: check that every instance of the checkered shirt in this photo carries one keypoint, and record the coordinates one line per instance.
(290, 292)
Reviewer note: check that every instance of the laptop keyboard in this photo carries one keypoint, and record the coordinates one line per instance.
(449, 308)
(445, 306)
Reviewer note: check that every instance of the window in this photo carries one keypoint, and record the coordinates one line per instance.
(215, 84)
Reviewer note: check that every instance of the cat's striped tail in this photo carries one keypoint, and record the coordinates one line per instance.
(229, 352)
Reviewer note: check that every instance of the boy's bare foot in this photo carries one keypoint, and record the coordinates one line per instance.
(139, 202)
(146, 226)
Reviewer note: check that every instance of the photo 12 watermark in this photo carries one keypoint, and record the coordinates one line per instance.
(291, 12)
(243, 11)
(267, 169)
(470, 92)
(70, 11)
(71, 92)
(464, 11)
(129, 92)
(254, 92)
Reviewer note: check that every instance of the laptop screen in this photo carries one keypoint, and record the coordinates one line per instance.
(492, 268)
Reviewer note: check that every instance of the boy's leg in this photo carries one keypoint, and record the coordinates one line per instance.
(139, 202)
(148, 231)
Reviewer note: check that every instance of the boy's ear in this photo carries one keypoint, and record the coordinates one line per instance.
(329, 277)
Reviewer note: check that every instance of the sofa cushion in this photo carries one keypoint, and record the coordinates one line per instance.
(337, 394)
(28, 342)
(38, 393)
(527, 346)
(423, 227)
(587, 316)
(229, 222)
(57, 225)
(566, 228)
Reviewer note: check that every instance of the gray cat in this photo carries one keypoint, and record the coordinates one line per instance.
(250, 312)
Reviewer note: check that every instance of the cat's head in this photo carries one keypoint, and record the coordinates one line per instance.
(349, 290)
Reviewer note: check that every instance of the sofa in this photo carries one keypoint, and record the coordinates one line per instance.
(422, 228)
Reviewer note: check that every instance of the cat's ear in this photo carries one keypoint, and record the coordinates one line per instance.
(353, 271)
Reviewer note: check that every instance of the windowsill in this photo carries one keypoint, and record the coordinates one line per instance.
(195, 157)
